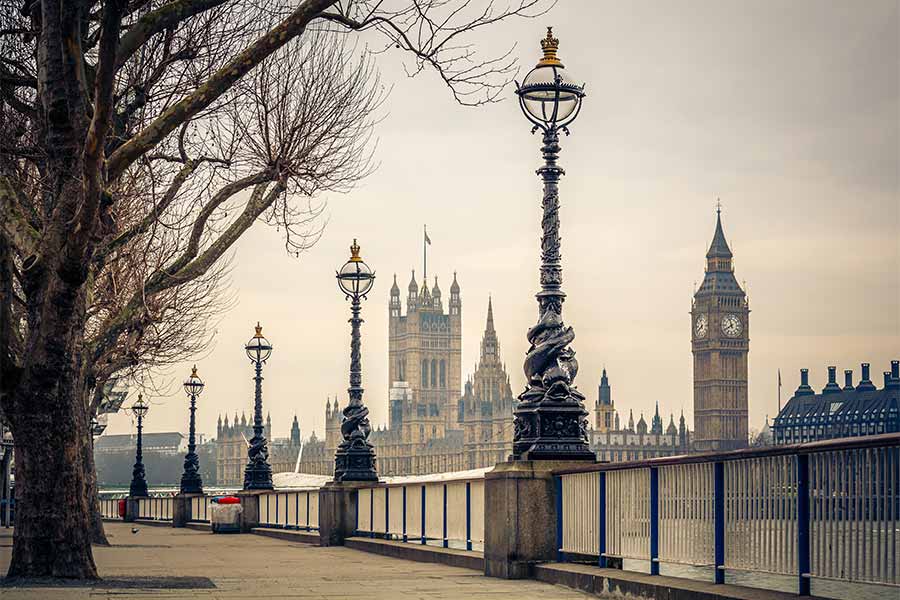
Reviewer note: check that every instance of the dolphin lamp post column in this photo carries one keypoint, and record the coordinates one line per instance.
(138, 486)
(550, 419)
(355, 456)
(258, 473)
(191, 482)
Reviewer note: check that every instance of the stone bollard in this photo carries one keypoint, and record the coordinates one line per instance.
(337, 512)
(520, 517)
(131, 509)
(249, 509)
(181, 509)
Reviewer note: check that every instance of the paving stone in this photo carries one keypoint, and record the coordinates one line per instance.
(163, 564)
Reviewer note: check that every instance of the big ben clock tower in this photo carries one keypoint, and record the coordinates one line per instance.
(720, 342)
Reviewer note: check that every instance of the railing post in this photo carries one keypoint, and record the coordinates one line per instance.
(276, 510)
(468, 515)
(446, 543)
(424, 539)
(387, 513)
(557, 488)
(601, 514)
(719, 520)
(372, 512)
(404, 513)
(654, 521)
(803, 524)
(308, 526)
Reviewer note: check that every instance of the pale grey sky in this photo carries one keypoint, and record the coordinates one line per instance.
(787, 111)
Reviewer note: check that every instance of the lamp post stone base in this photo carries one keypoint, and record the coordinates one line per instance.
(521, 497)
(249, 509)
(181, 509)
(337, 512)
(131, 509)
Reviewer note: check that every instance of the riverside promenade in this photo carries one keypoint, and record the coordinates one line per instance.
(161, 562)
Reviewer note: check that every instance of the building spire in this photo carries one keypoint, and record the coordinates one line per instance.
(719, 246)
(490, 347)
(490, 317)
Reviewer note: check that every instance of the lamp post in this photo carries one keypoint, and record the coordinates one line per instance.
(191, 482)
(550, 419)
(258, 473)
(355, 456)
(138, 477)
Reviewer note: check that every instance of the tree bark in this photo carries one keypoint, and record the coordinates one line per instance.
(50, 426)
(98, 534)
(53, 524)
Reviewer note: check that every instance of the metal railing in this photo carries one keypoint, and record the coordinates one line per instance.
(109, 506)
(296, 509)
(438, 510)
(156, 508)
(826, 510)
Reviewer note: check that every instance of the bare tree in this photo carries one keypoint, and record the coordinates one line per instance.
(138, 141)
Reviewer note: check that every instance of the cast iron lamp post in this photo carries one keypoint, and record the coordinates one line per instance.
(355, 456)
(550, 419)
(138, 477)
(191, 482)
(258, 474)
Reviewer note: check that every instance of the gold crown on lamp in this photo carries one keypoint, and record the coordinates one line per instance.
(354, 252)
(549, 45)
(194, 371)
(258, 330)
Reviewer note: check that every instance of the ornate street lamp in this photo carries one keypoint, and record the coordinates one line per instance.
(258, 473)
(191, 482)
(355, 456)
(138, 477)
(550, 419)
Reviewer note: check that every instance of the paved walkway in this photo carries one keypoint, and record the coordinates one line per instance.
(160, 562)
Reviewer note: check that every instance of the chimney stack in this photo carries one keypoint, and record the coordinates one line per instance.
(865, 384)
(895, 369)
(804, 389)
(848, 380)
(832, 387)
(887, 379)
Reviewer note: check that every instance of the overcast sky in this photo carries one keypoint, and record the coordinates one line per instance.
(787, 111)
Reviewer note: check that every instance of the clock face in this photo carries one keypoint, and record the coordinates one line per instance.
(701, 326)
(731, 326)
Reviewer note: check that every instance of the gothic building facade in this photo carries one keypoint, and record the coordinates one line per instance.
(720, 343)
(231, 449)
(433, 426)
(614, 443)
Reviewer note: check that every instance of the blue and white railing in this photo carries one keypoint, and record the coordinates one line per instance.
(295, 509)
(445, 510)
(825, 510)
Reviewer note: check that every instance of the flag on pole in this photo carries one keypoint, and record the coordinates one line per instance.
(427, 239)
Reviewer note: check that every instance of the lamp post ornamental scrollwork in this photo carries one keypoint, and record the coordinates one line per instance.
(258, 473)
(191, 482)
(354, 459)
(550, 422)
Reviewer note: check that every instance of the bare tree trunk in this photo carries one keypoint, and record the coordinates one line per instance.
(50, 426)
(52, 534)
(98, 535)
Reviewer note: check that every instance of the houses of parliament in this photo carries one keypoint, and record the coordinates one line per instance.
(434, 426)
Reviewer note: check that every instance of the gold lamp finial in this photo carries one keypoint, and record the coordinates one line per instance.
(258, 330)
(354, 252)
(194, 371)
(550, 45)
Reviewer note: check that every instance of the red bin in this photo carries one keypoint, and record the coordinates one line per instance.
(228, 500)
(122, 508)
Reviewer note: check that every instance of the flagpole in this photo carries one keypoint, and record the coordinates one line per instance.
(425, 254)
(779, 391)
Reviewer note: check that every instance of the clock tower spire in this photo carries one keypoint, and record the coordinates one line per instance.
(720, 343)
